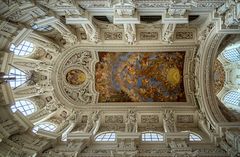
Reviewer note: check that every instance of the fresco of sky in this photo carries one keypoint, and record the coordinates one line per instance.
(140, 77)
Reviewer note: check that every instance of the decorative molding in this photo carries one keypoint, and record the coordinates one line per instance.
(185, 119)
(112, 35)
(169, 121)
(113, 119)
(149, 119)
(184, 35)
(21, 36)
(149, 35)
(23, 121)
(83, 62)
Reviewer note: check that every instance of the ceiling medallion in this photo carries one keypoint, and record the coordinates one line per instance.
(75, 76)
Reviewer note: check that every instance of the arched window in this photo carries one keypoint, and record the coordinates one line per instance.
(194, 137)
(25, 106)
(232, 55)
(47, 126)
(106, 137)
(20, 77)
(152, 137)
(42, 28)
(23, 49)
(232, 98)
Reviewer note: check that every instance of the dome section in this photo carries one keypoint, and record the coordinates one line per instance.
(229, 93)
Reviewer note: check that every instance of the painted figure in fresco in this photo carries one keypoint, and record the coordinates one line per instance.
(76, 77)
(140, 77)
(131, 122)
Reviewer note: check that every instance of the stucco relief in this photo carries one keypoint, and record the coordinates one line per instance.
(131, 121)
(149, 35)
(219, 76)
(75, 78)
(113, 119)
(169, 122)
(112, 35)
(184, 118)
(184, 35)
(150, 119)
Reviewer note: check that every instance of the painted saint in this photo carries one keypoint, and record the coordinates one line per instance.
(75, 77)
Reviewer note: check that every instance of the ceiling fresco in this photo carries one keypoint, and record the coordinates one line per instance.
(76, 77)
(140, 77)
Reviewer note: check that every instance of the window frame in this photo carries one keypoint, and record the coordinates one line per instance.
(191, 137)
(24, 112)
(44, 28)
(23, 47)
(44, 123)
(231, 55)
(21, 78)
(104, 134)
(232, 101)
(159, 135)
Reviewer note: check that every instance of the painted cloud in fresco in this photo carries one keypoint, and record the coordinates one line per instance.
(140, 77)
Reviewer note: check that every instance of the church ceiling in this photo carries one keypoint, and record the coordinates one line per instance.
(140, 77)
(128, 66)
(100, 76)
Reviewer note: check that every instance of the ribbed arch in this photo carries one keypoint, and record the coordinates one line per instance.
(26, 107)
